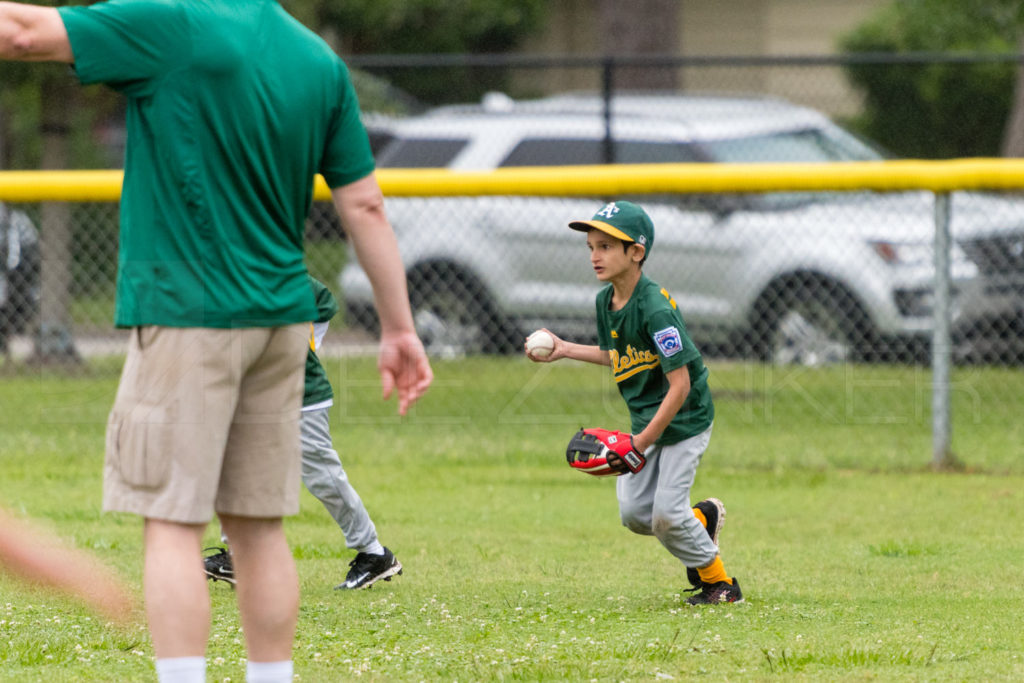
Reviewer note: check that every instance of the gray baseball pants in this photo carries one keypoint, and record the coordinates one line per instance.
(325, 478)
(656, 500)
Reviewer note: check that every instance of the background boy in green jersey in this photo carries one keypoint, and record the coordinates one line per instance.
(662, 378)
(323, 473)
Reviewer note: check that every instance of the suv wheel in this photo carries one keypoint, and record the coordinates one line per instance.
(809, 336)
(811, 321)
(454, 315)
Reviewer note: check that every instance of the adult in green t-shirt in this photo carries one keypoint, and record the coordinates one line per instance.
(664, 382)
(232, 108)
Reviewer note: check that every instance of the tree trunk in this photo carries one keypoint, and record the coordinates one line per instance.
(640, 27)
(54, 342)
(1013, 133)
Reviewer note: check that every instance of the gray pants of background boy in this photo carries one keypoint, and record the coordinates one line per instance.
(656, 500)
(325, 478)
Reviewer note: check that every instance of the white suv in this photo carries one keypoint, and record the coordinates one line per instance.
(790, 277)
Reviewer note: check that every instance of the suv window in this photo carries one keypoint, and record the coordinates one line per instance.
(421, 153)
(571, 152)
(797, 146)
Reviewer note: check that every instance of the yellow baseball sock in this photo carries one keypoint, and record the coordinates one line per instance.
(714, 572)
(700, 517)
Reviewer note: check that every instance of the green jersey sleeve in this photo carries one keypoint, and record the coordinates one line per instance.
(347, 156)
(125, 43)
(668, 332)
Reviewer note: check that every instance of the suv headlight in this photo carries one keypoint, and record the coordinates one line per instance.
(916, 254)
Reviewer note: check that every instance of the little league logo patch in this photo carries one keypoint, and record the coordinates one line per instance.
(668, 340)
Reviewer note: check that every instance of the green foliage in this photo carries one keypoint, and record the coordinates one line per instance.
(431, 27)
(358, 27)
(20, 110)
(379, 96)
(937, 110)
(857, 563)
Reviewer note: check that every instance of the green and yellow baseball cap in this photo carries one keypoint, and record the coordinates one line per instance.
(624, 220)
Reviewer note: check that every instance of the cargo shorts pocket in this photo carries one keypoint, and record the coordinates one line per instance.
(132, 453)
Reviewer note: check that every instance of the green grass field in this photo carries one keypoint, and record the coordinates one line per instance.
(858, 562)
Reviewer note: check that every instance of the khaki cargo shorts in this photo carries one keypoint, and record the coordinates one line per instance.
(207, 420)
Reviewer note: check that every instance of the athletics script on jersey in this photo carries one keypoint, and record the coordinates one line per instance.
(631, 362)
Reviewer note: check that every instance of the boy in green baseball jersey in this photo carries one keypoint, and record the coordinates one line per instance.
(661, 376)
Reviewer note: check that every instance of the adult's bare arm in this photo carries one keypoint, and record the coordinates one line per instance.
(402, 361)
(37, 557)
(30, 33)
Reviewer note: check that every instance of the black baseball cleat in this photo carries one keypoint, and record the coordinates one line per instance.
(218, 566)
(367, 569)
(715, 593)
(714, 513)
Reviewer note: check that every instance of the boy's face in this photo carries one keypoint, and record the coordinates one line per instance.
(608, 257)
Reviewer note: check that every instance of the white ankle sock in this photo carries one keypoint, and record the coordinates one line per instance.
(269, 672)
(374, 548)
(181, 670)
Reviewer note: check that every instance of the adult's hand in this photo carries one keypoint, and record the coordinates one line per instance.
(404, 367)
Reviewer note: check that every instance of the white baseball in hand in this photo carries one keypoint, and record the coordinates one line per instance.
(540, 344)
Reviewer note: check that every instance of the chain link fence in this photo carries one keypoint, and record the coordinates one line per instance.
(785, 279)
(806, 278)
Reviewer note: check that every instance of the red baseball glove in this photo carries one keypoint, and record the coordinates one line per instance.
(603, 452)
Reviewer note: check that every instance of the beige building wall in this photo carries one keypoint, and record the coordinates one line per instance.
(723, 28)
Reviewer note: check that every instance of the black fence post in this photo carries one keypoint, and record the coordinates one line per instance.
(607, 84)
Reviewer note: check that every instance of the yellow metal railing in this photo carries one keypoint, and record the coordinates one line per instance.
(934, 176)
